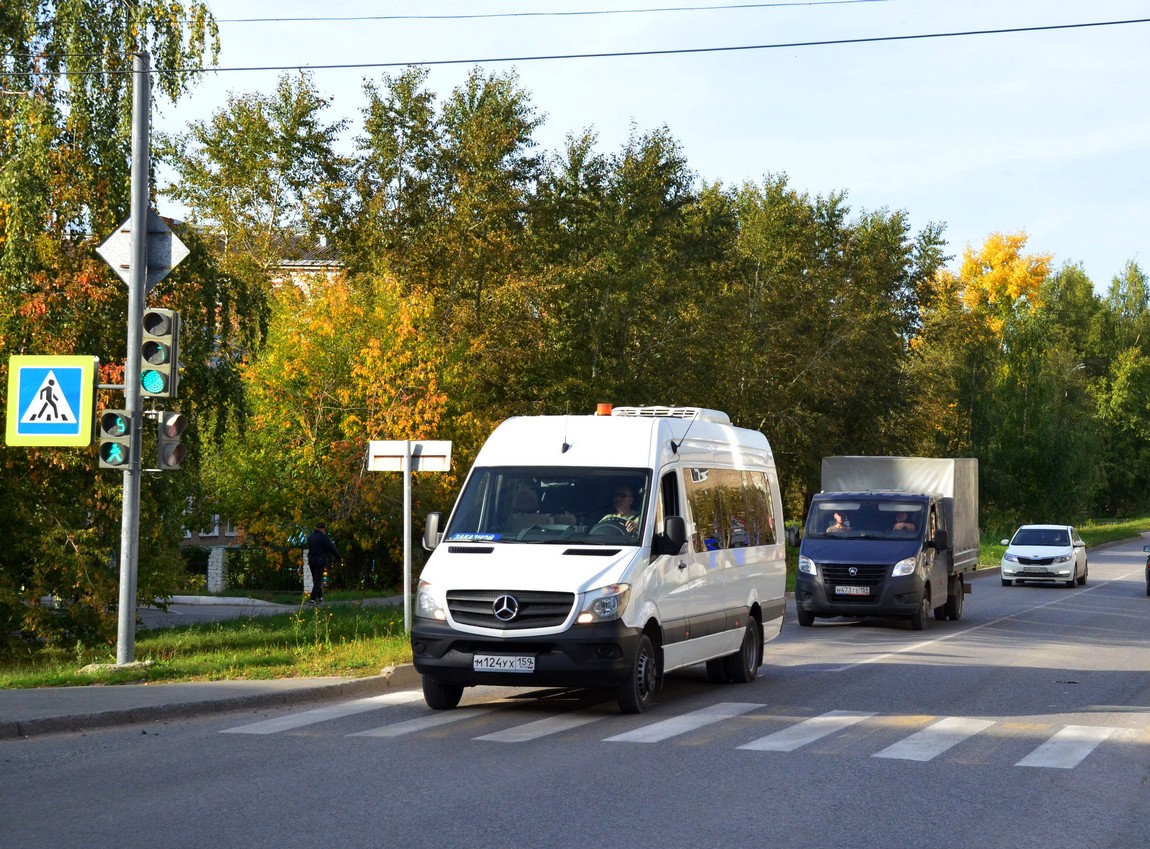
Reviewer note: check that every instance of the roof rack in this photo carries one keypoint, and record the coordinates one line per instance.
(697, 413)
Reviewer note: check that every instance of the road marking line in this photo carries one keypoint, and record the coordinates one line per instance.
(311, 717)
(423, 723)
(541, 728)
(1067, 748)
(972, 629)
(935, 739)
(807, 731)
(682, 724)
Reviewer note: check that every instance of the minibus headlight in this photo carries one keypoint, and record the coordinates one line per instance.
(903, 567)
(426, 605)
(605, 604)
(807, 566)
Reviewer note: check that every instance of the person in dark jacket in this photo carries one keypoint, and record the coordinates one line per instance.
(321, 553)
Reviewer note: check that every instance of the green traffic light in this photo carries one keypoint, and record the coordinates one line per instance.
(153, 381)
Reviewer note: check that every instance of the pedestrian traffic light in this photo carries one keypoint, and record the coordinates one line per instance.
(159, 361)
(170, 452)
(115, 427)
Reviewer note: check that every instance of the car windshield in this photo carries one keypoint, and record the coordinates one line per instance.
(1041, 536)
(544, 505)
(865, 518)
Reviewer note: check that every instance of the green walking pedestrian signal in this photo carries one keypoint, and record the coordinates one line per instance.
(115, 427)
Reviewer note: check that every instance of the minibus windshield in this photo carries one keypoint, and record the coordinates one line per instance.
(543, 505)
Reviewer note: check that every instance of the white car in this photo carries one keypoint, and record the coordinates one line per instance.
(1045, 553)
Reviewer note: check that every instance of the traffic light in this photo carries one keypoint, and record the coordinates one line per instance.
(115, 428)
(170, 452)
(159, 362)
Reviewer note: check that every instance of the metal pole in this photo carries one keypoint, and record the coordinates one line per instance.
(407, 535)
(130, 520)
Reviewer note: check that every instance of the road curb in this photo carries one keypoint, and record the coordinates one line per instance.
(402, 677)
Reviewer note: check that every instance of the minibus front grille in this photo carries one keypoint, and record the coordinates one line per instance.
(509, 610)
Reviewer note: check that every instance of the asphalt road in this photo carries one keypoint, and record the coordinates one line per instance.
(1026, 724)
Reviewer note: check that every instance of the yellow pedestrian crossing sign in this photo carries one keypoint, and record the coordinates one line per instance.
(51, 400)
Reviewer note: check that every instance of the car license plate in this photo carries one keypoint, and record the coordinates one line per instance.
(503, 663)
(852, 590)
(1034, 569)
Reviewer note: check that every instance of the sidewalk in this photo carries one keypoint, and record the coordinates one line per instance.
(49, 710)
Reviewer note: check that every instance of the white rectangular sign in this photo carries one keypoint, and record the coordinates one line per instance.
(386, 455)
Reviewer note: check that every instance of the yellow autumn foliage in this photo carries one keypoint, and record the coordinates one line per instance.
(997, 279)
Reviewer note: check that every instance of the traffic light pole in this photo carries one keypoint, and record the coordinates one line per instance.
(130, 520)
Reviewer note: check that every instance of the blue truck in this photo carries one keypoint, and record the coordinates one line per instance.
(889, 536)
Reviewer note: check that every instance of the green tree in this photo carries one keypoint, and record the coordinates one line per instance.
(262, 174)
(64, 184)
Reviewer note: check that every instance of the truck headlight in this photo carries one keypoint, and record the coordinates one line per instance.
(807, 566)
(604, 604)
(904, 567)
(426, 605)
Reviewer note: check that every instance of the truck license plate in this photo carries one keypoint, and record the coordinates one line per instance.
(503, 663)
(840, 590)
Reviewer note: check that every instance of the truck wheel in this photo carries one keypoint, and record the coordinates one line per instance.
(807, 619)
(743, 665)
(940, 612)
(440, 695)
(636, 692)
(954, 599)
(920, 618)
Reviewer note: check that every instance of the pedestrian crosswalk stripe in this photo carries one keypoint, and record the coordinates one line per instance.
(682, 724)
(1067, 748)
(807, 731)
(323, 714)
(423, 723)
(542, 728)
(935, 739)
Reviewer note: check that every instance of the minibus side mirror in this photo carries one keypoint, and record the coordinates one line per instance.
(673, 537)
(940, 541)
(431, 531)
(793, 536)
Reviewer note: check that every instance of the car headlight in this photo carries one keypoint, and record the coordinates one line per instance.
(604, 604)
(904, 567)
(807, 566)
(426, 605)
(1010, 558)
(1063, 558)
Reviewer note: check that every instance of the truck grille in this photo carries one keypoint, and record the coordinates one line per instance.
(509, 610)
(871, 576)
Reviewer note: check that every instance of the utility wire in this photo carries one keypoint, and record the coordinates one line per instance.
(623, 54)
(583, 13)
(673, 51)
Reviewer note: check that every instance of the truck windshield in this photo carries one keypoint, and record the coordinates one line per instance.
(543, 505)
(865, 519)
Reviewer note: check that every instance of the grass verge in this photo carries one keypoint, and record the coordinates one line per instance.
(348, 640)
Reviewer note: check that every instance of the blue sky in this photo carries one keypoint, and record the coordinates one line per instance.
(1047, 131)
